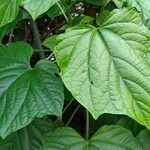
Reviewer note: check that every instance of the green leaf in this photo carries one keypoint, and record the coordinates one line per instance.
(38, 7)
(97, 2)
(105, 68)
(8, 11)
(55, 11)
(106, 138)
(82, 20)
(141, 5)
(25, 92)
(28, 138)
(144, 139)
(50, 42)
(130, 124)
(6, 29)
(78, 21)
(119, 3)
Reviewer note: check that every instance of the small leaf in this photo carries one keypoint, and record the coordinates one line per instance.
(26, 93)
(6, 29)
(119, 3)
(144, 139)
(106, 138)
(105, 68)
(28, 138)
(38, 7)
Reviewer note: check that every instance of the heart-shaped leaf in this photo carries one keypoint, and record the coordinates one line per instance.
(106, 138)
(26, 93)
(106, 68)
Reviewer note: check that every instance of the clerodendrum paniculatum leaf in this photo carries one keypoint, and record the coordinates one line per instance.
(144, 139)
(8, 11)
(28, 138)
(106, 68)
(106, 138)
(141, 5)
(25, 92)
(37, 7)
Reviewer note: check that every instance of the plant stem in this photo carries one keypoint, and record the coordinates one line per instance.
(37, 39)
(62, 11)
(10, 36)
(67, 106)
(73, 115)
(87, 125)
(65, 109)
(50, 56)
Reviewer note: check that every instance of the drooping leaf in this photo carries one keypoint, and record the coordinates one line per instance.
(8, 11)
(105, 68)
(141, 5)
(144, 139)
(107, 137)
(25, 92)
(105, 119)
(130, 124)
(28, 138)
(6, 29)
(38, 7)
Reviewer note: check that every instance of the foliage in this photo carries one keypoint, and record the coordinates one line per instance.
(90, 57)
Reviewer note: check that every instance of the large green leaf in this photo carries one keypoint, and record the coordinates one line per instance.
(26, 93)
(144, 139)
(8, 11)
(106, 138)
(141, 5)
(106, 68)
(28, 138)
(38, 7)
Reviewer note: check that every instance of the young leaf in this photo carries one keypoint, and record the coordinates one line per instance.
(144, 139)
(37, 7)
(107, 137)
(28, 138)
(8, 11)
(141, 5)
(106, 68)
(50, 42)
(26, 93)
